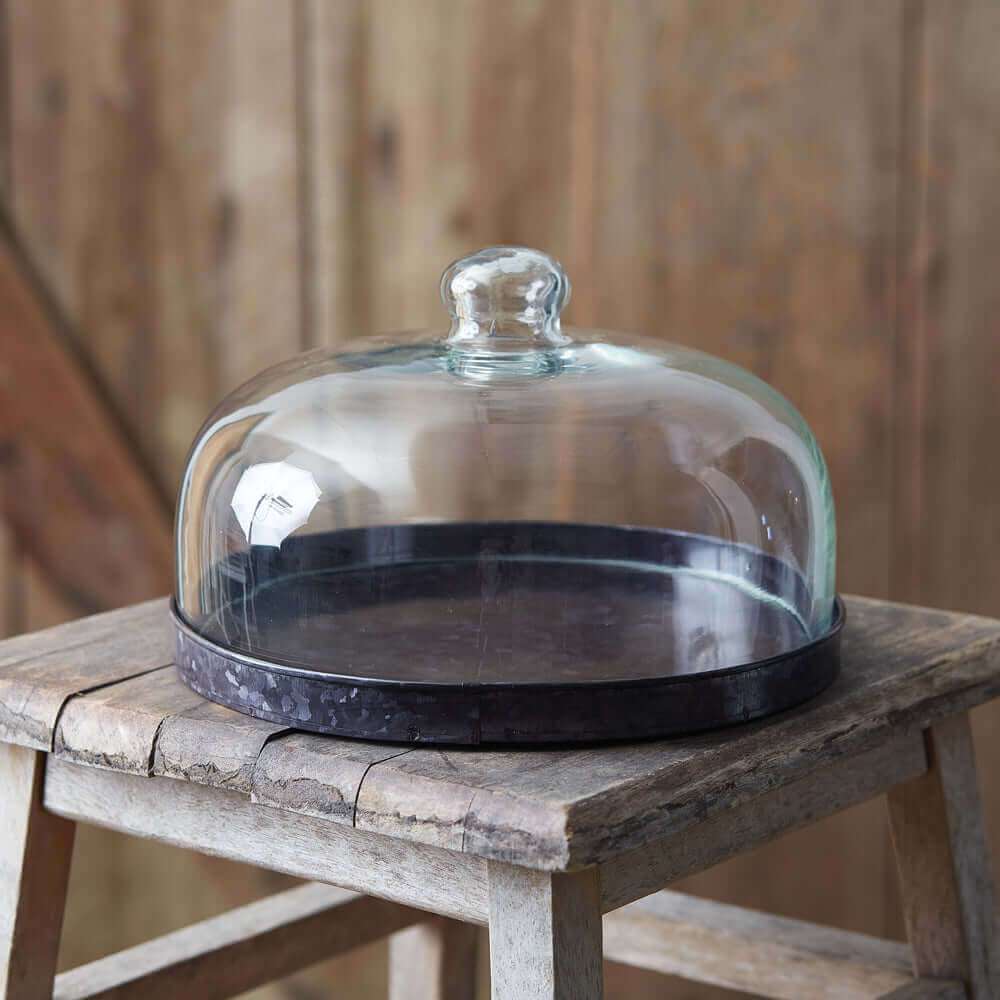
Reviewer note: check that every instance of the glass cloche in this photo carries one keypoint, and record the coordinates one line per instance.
(506, 532)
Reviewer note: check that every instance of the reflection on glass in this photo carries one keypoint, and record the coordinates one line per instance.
(509, 500)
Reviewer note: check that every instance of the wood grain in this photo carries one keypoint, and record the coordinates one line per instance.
(560, 808)
(332, 64)
(116, 726)
(155, 179)
(643, 870)
(939, 834)
(315, 775)
(947, 351)
(903, 668)
(545, 934)
(239, 950)
(211, 745)
(740, 949)
(34, 688)
(102, 535)
(35, 852)
(226, 824)
(436, 960)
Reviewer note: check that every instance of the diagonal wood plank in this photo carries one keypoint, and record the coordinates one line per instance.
(102, 535)
(241, 949)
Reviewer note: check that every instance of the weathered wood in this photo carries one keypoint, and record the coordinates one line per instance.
(155, 724)
(68, 635)
(545, 934)
(116, 726)
(903, 667)
(239, 950)
(212, 745)
(436, 960)
(35, 852)
(769, 956)
(646, 869)
(315, 775)
(34, 688)
(939, 834)
(226, 824)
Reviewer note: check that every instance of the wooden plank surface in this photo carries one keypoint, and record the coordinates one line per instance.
(35, 852)
(211, 745)
(739, 949)
(554, 808)
(903, 668)
(113, 647)
(116, 726)
(226, 824)
(241, 949)
(642, 870)
(315, 775)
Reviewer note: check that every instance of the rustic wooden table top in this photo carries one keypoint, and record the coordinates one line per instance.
(103, 692)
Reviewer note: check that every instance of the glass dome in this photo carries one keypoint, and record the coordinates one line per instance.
(508, 531)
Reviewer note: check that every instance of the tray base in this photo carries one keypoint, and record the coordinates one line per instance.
(516, 641)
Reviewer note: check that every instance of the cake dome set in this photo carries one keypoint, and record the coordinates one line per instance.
(506, 532)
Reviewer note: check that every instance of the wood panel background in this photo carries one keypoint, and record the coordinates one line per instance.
(807, 188)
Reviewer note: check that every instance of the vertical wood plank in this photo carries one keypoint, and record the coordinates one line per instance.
(949, 348)
(435, 960)
(945, 872)
(947, 532)
(35, 852)
(744, 202)
(332, 65)
(467, 142)
(545, 934)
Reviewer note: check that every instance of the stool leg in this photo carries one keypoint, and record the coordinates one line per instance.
(545, 934)
(35, 852)
(435, 960)
(939, 837)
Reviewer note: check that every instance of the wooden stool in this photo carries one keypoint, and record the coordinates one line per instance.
(537, 844)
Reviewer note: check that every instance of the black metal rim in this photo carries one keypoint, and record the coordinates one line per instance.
(502, 712)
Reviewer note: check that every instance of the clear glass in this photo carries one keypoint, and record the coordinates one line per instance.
(507, 501)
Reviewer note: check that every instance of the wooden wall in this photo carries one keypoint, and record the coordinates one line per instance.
(808, 188)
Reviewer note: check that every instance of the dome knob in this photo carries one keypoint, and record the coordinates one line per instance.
(505, 298)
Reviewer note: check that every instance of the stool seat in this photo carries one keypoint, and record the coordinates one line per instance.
(465, 832)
